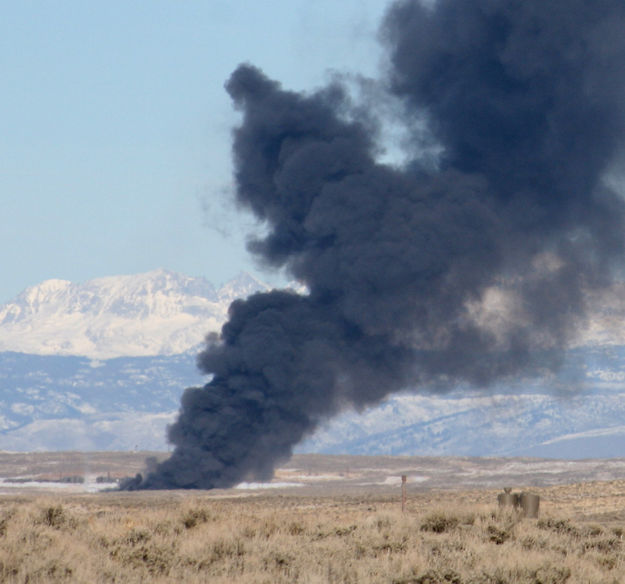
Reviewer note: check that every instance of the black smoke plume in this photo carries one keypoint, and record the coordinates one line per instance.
(470, 270)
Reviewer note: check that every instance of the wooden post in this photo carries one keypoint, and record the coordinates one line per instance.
(403, 493)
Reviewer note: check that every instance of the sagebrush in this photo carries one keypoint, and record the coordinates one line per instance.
(182, 537)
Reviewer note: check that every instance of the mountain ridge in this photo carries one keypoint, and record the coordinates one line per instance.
(153, 313)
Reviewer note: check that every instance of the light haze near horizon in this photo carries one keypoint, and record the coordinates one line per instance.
(116, 128)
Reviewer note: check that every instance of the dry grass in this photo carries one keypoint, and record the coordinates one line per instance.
(443, 537)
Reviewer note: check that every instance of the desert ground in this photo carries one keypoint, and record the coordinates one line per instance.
(322, 519)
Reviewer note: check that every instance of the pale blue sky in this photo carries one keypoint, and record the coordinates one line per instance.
(115, 127)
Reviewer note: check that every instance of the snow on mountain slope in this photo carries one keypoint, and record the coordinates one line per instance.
(155, 313)
(51, 402)
(583, 418)
(56, 403)
(109, 431)
(498, 425)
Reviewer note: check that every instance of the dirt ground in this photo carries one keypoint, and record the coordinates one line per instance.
(586, 487)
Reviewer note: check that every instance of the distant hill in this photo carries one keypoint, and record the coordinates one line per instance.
(51, 402)
(76, 403)
(579, 415)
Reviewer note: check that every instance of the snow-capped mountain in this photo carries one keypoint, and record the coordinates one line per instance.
(155, 313)
(166, 313)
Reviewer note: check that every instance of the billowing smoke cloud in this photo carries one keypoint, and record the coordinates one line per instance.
(471, 272)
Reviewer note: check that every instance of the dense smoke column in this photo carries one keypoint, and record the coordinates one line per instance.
(470, 272)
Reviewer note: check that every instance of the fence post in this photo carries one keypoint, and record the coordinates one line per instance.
(403, 493)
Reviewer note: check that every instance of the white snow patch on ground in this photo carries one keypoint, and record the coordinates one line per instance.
(615, 430)
(396, 480)
(89, 486)
(320, 477)
(252, 486)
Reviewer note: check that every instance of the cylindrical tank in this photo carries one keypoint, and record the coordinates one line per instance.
(529, 504)
(508, 499)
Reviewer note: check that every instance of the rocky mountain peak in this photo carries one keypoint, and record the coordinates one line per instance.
(153, 313)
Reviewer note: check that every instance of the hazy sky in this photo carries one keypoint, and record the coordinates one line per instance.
(115, 127)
